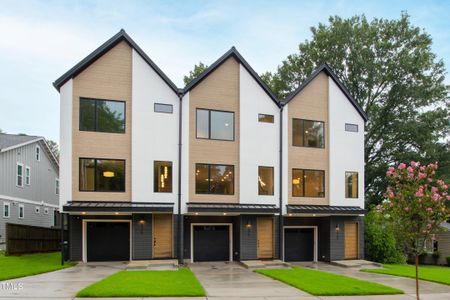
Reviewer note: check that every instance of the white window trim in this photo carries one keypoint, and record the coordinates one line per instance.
(18, 212)
(17, 174)
(37, 209)
(46, 210)
(9, 210)
(37, 153)
(57, 186)
(27, 175)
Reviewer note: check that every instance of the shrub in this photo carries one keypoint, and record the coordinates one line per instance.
(380, 244)
(448, 260)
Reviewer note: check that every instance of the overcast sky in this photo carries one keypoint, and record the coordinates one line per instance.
(40, 40)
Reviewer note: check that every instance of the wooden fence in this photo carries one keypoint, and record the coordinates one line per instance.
(21, 239)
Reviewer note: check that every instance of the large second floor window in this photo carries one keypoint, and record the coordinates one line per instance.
(308, 183)
(214, 179)
(102, 115)
(215, 125)
(19, 175)
(265, 180)
(351, 184)
(306, 133)
(162, 177)
(102, 175)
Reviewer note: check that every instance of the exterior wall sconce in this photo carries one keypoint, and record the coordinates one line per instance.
(248, 225)
(337, 229)
(141, 224)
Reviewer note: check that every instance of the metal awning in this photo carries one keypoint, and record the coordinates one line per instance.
(100, 206)
(236, 208)
(325, 209)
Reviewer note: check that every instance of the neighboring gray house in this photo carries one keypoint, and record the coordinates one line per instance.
(29, 182)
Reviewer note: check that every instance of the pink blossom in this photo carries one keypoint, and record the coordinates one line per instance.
(436, 197)
(422, 168)
(422, 175)
(434, 189)
(419, 193)
(414, 164)
(429, 179)
(410, 175)
(410, 169)
(401, 166)
(389, 173)
(448, 197)
(406, 208)
(429, 209)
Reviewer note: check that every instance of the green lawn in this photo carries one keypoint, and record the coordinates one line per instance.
(146, 284)
(428, 273)
(30, 264)
(320, 283)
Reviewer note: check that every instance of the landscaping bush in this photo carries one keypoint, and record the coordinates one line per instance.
(448, 260)
(380, 244)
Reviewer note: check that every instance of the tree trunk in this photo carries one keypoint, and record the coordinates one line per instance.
(417, 276)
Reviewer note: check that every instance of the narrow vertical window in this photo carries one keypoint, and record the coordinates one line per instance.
(19, 175)
(162, 177)
(38, 153)
(265, 180)
(351, 184)
(6, 208)
(57, 186)
(27, 175)
(21, 211)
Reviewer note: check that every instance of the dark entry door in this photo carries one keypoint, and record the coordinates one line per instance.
(299, 244)
(108, 241)
(211, 243)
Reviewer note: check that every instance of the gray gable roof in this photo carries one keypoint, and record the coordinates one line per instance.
(10, 140)
(108, 45)
(325, 68)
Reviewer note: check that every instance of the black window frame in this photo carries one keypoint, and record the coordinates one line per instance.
(265, 115)
(273, 179)
(171, 176)
(95, 175)
(209, 125)
(303, 133)
(96, 100)
(304, 183)
(162, 104)
(209, 179)
(357, 184)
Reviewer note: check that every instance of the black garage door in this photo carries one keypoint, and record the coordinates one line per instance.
(299, 244)
(108, 241)
(211, 243)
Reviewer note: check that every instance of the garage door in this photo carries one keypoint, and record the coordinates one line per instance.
(211, 243)
(108, 241)
(299, 244)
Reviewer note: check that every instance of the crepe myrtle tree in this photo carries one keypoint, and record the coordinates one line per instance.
(415, 206)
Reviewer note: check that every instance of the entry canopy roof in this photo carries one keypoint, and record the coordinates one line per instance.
(232, 208)
(101, 206)
(325, 209)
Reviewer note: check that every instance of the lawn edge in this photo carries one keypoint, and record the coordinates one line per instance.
(404, 276)
(70, 265)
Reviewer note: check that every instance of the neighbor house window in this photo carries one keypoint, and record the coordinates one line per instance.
(57, 186)
(351, 184)
(214, 179)
(306, 133)
(102, 175)
(6, 209)
(19, 175)
(265, 118)
(351, 127)
(38, 153)
(21, 211)
(163, 108)
(37, 209)
(102, 115)
(265, 180)
(27, 175)
(215, 125)
(308, 183)
(162, 177)
(46, 210)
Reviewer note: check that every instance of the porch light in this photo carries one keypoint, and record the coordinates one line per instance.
(224, 214)
(108, 174)
(337, 228)
(83, 213)
(116, 213)
(141, 222)
(248, 225)
(290, 215)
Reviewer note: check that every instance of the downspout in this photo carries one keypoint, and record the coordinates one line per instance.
(179, 215)
(280, 219)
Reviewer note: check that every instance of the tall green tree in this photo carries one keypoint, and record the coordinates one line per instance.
(198, 69)
(390, 69)
(54, 147)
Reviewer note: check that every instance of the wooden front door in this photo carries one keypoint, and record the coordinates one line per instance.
(162, 236)
(265, 237)
(351, 240)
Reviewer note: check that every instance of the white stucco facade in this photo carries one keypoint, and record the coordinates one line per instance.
(185, 153)
(65, 140)
(285, 169)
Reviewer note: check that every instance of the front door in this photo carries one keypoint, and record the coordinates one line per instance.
(162, 236)
(351, 240)
(265, 237)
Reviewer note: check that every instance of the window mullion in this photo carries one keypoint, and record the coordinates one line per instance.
(304, 184)
(209, 179)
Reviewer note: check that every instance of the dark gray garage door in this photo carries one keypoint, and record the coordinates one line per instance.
(299, 244)
(211, 243)
(108, 241)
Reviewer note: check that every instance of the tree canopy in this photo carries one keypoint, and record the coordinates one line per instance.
(198, 69)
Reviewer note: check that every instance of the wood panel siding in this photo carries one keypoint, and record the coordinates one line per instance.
(351, 240)
(219, 91)
(107, 78)
(265, 237)
(162, 236)
(310, 104)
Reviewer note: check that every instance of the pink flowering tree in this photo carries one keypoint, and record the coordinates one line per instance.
(415, 206)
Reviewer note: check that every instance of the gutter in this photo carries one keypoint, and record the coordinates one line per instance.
(179, 215)
(280, 219)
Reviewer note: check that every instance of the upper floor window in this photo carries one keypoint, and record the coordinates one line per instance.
(27, 175)
(102, 115)
(215, 125)
(19, 175)
(214, 179)
(6, 209)
(57, 186)
(37, 209)
(351, 127)
(21, 211)
(265, 118)
(46, 210)
(163, 108)
(308, 183)
(102, 175)
(38, 153)
(162, 177)
(351, 184)
(265, 180)
(306, 133)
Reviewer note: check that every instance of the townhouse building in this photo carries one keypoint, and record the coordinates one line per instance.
(220, 170)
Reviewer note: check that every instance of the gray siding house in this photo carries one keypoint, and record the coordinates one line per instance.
(29, 182)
